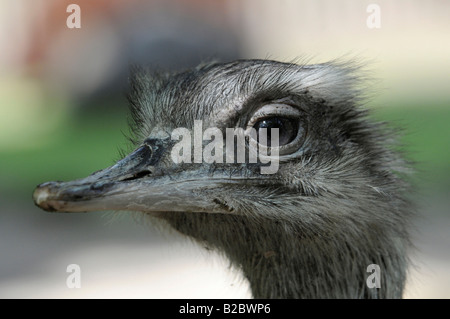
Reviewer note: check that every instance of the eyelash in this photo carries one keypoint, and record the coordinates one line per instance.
(261, 114)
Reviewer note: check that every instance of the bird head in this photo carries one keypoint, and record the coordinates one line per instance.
(273, 163)
(325, 147)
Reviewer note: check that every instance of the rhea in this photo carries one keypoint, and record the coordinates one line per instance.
(336, 205)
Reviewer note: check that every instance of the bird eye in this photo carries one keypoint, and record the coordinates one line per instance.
(287, 129)
(288, 120)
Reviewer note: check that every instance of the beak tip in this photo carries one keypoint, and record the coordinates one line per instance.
(41, 197)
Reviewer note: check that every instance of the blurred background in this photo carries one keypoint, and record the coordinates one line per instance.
(63, 113)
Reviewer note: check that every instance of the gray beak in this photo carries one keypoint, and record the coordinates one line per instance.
(133, 184)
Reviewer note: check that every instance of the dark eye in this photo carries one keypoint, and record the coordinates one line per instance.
(287, 129)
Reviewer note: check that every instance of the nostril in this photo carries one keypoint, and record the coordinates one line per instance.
(156, 147)
(152, 142)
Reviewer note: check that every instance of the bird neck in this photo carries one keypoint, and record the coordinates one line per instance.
(284, 261)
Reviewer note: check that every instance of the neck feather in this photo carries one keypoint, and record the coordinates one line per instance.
(286, 261)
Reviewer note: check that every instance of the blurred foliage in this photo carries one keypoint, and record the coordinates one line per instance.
(90, 139)
(425, 136)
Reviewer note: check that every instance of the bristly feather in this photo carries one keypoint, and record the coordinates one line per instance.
(328, 213)
(197, 91)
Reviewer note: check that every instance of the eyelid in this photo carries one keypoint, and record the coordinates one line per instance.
(274, 109)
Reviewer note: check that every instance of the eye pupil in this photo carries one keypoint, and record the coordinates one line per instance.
(287, 129)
